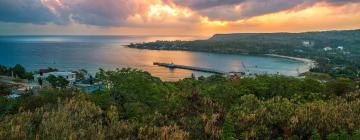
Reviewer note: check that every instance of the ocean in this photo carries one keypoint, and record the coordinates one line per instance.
(69, 53)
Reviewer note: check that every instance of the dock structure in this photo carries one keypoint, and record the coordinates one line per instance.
(173, 66)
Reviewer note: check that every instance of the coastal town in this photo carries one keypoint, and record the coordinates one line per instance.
(17, 85)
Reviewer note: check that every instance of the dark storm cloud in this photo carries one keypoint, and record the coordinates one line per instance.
(101, 12)
(25, 11)
(225, 9)
(116, 12)
(90, 12)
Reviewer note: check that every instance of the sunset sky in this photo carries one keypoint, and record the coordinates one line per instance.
(174, 17)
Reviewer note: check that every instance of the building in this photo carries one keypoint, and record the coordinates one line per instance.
(327, 49)
(340, 48)
(308, 44)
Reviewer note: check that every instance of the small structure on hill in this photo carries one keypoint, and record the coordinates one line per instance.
(308, 43)
(327, 49)
(340, 48)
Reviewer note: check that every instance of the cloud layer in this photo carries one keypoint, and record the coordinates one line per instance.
(127, 13)
(26, 11)
(239, 9)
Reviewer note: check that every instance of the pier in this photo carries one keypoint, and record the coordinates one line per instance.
(173, 66)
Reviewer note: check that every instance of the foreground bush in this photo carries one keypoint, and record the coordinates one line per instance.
(139, 106)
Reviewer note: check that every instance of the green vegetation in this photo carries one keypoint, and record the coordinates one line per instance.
(17, 71)
(337, 62)
(57, 81)
(140, 106)
(80, 74)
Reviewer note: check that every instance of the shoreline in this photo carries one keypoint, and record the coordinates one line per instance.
(308, 62)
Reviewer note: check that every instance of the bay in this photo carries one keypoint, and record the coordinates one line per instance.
(108, 52)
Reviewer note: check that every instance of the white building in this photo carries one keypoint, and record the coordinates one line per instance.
(308, 43)
(340, 48)
(327, 49)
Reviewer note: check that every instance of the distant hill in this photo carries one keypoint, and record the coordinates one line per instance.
(349, 39)
(291, 44)
(341, 35)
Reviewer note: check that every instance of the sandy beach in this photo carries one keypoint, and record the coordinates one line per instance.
(309, 63)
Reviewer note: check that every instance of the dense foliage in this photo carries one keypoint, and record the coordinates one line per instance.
(57, 81)
(16, 71)
(139, 106)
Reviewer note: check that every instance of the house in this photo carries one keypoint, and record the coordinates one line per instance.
(327, 49)
(90, 88)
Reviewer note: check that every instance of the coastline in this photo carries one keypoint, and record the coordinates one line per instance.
(308, 62)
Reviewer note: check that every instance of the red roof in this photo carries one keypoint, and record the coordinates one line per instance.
(47, 70)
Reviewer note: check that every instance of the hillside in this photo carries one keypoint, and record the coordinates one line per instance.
(336, 52)
(350, 39)
(343, 35)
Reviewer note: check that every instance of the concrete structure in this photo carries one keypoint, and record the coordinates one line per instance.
(173, 66)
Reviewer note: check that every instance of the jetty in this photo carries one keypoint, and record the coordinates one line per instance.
(173, 66)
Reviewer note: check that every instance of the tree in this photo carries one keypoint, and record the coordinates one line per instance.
(28, 76)
(40, 81)
(52, 79)
(134, 91)
(3, 70)
(80, 74)
(59, 81)
(341, 86)
(19, 71)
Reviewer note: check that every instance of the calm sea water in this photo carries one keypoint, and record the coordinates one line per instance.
(108, 52)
